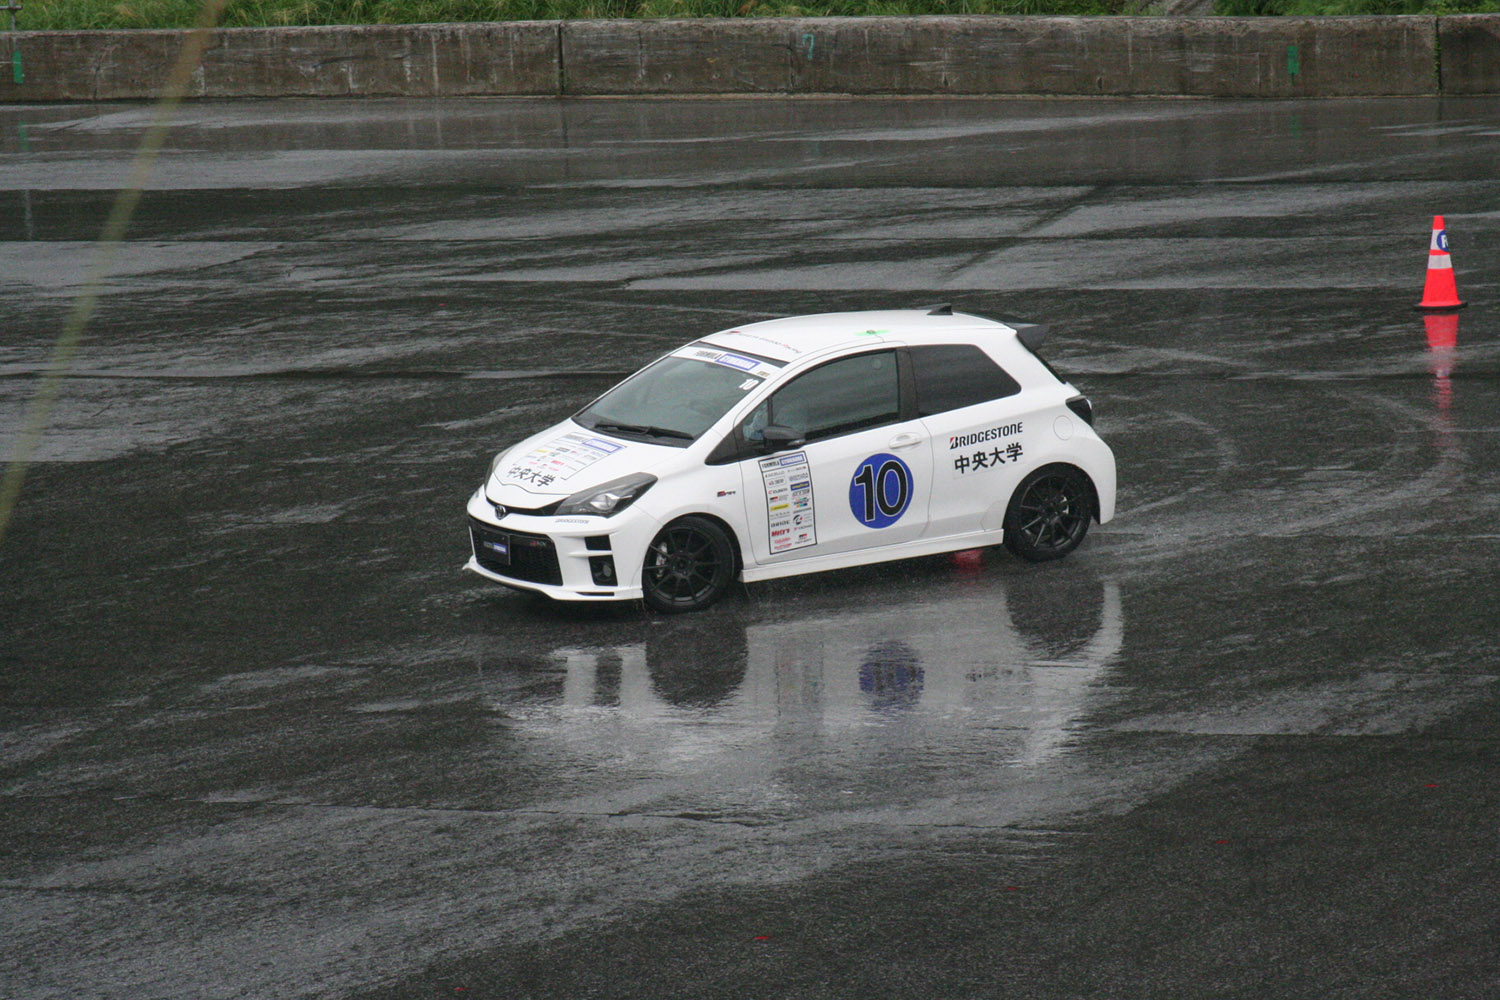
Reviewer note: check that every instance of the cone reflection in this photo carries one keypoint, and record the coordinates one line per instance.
(1442, 351)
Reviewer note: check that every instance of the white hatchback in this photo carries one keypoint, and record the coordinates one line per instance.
(795, 446)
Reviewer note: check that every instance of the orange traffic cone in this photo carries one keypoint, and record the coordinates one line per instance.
(1441, 291)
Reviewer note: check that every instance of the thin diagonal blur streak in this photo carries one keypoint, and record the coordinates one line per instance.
(105, 251)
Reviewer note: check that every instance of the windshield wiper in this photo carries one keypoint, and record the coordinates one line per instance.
(651, 431)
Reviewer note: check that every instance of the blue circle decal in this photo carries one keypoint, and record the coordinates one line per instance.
(880, 491)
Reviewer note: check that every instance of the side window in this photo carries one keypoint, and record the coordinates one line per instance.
(754, 427)
(846, 395)
(952, 376)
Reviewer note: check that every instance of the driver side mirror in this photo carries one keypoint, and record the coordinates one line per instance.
(779, 437)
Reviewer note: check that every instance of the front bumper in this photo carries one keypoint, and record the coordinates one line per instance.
(567, 559)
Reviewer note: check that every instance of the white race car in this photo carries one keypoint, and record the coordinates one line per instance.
(795, 446)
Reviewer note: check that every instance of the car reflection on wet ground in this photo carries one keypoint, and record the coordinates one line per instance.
(259, 737)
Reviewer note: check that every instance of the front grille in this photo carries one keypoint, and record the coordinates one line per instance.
(528, 557)
(501, 509)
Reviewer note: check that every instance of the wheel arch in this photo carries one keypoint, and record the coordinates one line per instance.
(734, 537)
(1070, 466)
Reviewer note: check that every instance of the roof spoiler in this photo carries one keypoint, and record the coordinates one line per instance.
(1031, 334)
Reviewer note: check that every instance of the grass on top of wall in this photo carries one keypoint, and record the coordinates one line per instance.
(1321, 8)
(81, 14)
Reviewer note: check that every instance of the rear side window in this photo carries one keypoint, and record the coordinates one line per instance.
(952, 376)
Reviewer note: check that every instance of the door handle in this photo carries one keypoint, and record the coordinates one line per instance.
(904, 441)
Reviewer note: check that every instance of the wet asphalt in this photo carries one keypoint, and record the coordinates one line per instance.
(260, 738)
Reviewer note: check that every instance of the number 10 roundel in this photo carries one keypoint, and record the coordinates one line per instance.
(880, 491)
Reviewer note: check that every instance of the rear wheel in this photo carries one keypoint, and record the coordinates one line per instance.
(688, 566)
(1049, 513)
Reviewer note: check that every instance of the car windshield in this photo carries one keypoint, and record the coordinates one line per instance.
(671, 402)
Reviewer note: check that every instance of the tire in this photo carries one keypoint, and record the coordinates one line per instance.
(689, 565)
(1049, 513)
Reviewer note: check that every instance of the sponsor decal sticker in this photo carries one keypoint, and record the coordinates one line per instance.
(736, 361)
(982, 450)
(788, 483)
(789, 348)
(753, 367)
(560, 459)
(979, 437)
(982, 459)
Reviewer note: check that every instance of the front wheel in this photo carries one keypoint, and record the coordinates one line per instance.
(1048, 514)
(689, 565)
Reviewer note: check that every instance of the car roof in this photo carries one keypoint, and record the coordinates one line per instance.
(801, 336)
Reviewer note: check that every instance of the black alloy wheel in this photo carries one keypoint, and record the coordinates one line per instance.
(688, 566)
(1049, 514)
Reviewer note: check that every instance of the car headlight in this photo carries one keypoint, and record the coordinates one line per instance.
(609, 498)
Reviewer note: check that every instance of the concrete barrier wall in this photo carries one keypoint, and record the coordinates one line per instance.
(1201, 57)
(1198, 57)
(421, 60)
(1470, 47)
